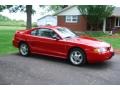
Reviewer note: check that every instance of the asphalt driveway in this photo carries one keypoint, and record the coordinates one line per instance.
(15, 69)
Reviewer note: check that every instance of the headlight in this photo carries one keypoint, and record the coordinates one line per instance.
(100, 50)
(103, 49)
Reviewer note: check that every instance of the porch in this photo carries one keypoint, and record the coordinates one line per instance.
(113, 24)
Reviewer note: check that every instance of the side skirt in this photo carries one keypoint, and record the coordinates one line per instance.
(49, 55)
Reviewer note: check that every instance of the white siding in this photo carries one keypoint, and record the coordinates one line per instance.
(72, 11)
(47, 20)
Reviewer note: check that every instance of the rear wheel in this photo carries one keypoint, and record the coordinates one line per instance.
(24, 49)
(77, 57)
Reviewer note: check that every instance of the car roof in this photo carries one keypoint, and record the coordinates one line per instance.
(50, 27)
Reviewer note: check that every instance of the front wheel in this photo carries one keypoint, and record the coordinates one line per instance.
(24, 49)
(77, 57)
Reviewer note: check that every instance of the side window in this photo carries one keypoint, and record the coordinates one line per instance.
(46, 33)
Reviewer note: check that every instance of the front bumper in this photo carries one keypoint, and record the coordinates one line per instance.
(99, 57)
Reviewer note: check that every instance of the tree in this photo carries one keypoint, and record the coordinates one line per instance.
(29, 19)
(14, 8)
(54, 8)
(3, 7)
(29, 11)
(4, 18)
(95, 14)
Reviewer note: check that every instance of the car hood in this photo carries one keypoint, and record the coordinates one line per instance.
(88, 41)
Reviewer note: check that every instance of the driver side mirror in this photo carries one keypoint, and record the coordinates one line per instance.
(56, 37)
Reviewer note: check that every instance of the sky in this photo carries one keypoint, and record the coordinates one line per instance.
(40, 12)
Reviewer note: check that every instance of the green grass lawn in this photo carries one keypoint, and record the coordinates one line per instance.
(6, 36)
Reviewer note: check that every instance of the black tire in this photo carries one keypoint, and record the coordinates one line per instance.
(24, 52)
(78, 59)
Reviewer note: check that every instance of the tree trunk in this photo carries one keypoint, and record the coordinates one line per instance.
(29, 14)
(104, 25)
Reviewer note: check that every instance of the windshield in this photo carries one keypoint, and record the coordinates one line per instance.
(66, 33)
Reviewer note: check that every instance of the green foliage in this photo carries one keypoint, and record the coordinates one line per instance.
(95, 14)
(3, 7)
(3, 18)
(21, 8)
(34, 24)
(12, 23)
(57, 7)
(16, 8)
(54, 8)
(5, 21)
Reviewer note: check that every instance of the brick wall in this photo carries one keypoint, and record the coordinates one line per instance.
(81, 25)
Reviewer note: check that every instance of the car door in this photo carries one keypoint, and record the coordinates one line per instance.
(42, 41)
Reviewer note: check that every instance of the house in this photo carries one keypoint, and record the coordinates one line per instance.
(71, 17)
(47, 20)
(113, 22)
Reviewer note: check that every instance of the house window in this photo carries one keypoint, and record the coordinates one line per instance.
(71, 18)
(118, 22)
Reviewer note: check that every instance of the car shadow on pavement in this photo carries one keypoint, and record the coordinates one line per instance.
(98, 66)
(45, 58)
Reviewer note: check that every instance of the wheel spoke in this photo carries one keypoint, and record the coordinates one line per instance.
(75, 53)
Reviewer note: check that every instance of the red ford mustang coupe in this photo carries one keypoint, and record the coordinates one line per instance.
(61, 42)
